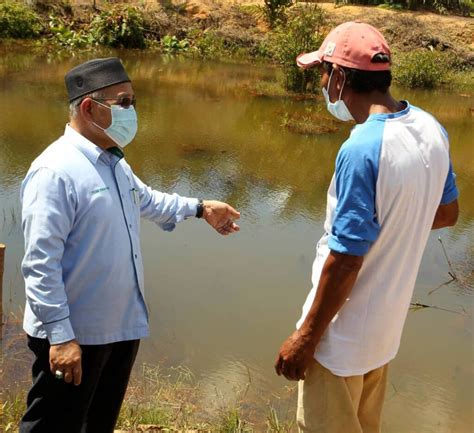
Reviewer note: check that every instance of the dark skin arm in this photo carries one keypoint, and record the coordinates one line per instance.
(446, 215)
(335, 285)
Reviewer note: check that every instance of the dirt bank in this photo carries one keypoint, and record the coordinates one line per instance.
(405, 30)
(242, 22)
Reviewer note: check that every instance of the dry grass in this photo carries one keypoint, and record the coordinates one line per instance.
(158, 398)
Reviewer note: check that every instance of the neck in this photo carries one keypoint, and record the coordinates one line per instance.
(375, 102)
(92, 133)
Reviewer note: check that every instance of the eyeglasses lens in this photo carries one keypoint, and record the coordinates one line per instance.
(127, 102)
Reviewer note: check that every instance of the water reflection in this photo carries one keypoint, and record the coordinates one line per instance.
(223, 306)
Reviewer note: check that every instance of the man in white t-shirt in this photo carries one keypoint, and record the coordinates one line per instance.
(393, 183)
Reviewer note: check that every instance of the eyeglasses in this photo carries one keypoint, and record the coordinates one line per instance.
(123, 101)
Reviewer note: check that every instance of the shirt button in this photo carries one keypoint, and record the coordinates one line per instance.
(130, 225)
(136, 256)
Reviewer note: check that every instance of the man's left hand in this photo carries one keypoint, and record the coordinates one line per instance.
(221, 216)
(295, 356)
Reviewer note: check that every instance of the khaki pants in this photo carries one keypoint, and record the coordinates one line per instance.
(334, 404)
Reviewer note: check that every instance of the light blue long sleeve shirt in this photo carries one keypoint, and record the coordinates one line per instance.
(83, 269)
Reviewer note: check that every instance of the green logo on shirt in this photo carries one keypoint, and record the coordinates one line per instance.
(95, 191)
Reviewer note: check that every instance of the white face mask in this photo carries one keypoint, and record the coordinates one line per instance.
(338, 109)
(124, 124)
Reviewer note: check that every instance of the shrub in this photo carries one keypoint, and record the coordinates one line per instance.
(210, 45)
(301, 33)
(63, 34)
(440, 6)
(274, 10)
(421, 68)
(18, 21)
(119, 27)
(172, 45)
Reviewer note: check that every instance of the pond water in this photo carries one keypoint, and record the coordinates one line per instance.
(222, 306)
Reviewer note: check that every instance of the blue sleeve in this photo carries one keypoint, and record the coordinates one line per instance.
(450, 192)
(48, 205)
(166, 210)
(355, 227)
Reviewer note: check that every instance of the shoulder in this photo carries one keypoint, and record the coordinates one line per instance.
(428, 119)
(53, 162)
(363, 145)
(58, 154)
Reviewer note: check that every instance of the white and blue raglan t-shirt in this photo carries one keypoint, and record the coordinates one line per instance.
(391, 175)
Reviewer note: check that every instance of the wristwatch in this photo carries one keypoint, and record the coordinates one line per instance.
(200, 209)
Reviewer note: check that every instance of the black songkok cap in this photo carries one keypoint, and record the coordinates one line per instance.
(94, 75)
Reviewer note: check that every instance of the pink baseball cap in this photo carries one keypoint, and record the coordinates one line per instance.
(352, 44)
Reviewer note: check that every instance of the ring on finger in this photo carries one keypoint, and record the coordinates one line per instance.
(58, 374)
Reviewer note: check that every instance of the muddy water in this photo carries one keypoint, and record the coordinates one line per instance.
(223, 306)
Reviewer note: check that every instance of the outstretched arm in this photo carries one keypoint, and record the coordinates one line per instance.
(167, 210)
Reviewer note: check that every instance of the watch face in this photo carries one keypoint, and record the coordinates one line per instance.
(200, 209)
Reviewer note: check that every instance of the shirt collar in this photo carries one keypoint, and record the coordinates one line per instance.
(91, 151)
(385, 116)
(116, 151)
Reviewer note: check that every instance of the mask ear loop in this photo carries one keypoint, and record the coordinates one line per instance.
(103, 105)
(329, 81)
(343, 84)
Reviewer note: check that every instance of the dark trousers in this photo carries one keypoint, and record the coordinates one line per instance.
(54, 406)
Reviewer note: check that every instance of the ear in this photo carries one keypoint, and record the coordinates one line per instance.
(86, 108)
(338, 76)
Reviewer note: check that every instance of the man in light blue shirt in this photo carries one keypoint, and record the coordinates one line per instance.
(81, 209)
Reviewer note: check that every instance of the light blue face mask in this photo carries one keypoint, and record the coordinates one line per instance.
(124, 125)
(338, 109)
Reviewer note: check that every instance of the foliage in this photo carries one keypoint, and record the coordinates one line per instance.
(421, 68)
(274, 423)
(301, 33)
(231, 422)
(209, 44)
(274, 10)
(441, 6)
(172, 45)
(18, 21)
(119, 27)
(387, 4)
(66, 37)
(159, 397)
(12, 407)
(215, 44)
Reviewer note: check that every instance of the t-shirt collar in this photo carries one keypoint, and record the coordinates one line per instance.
(385, 116)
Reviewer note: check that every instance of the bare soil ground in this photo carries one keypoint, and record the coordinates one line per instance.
(404, 30)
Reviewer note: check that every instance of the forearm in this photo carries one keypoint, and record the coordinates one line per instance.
(47, 300)
(446, 215)
(335, 285)
(164, 209)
